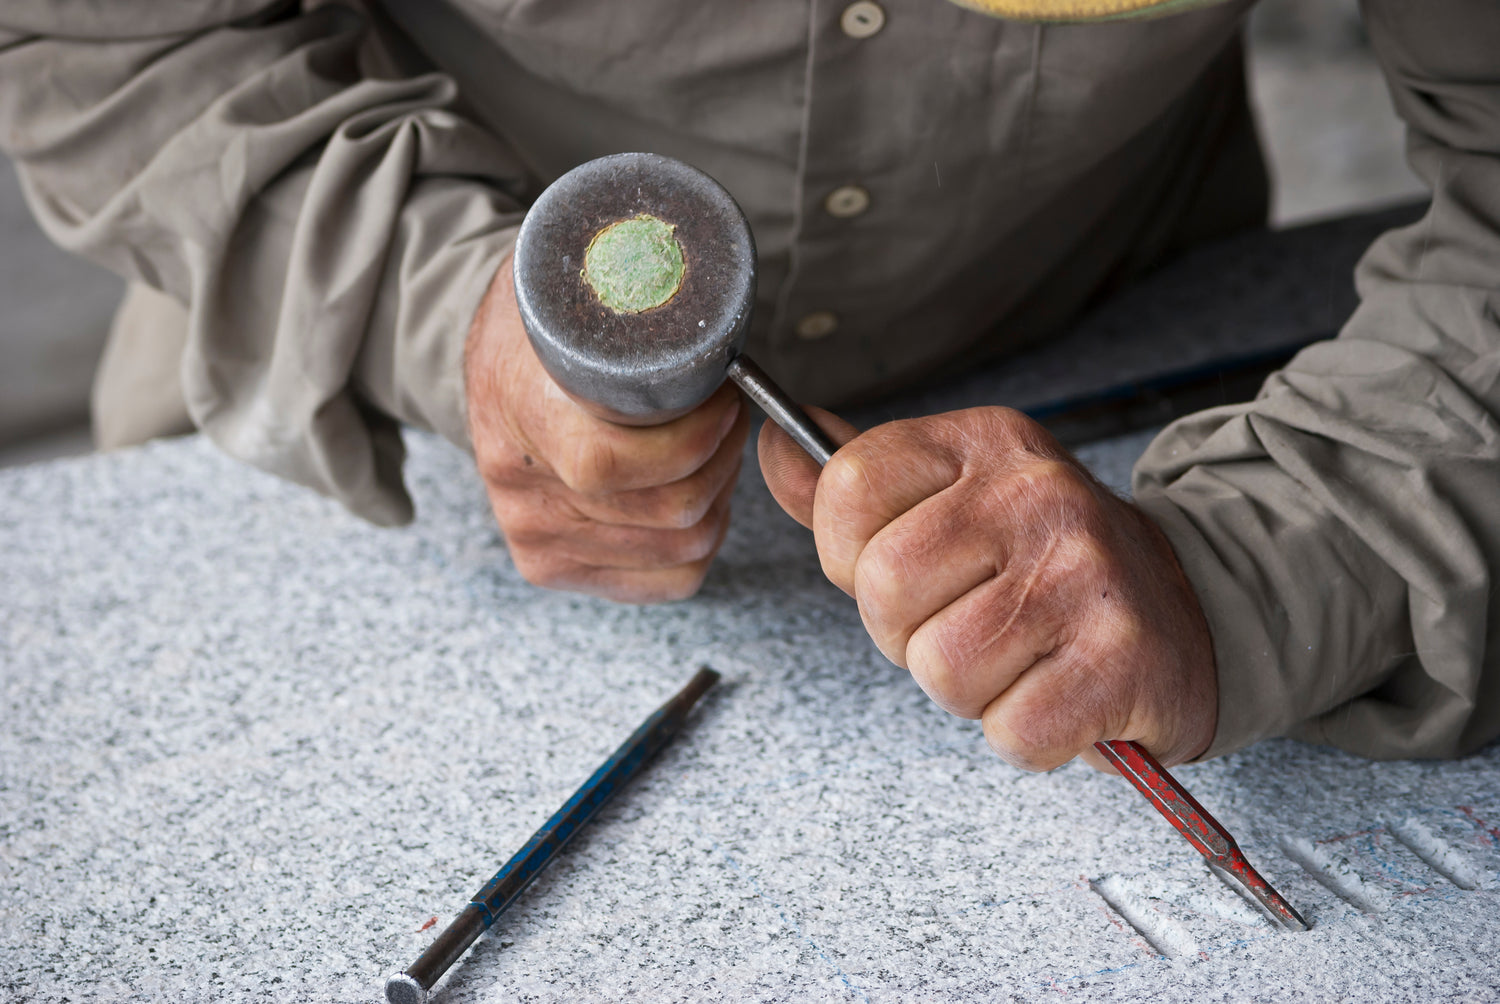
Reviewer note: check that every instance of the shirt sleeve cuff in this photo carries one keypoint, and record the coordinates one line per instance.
(1302, 614)
(412, 365)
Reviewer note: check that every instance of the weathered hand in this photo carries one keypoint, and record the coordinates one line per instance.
(631, 514)
(1015, 588)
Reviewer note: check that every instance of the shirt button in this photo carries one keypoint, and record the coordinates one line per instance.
(818, 324)
(846, 201)
(862, 19)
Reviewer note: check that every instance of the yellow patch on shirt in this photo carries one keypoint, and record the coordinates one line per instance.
(1083, 10)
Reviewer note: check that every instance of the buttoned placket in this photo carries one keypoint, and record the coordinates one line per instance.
(860, 21)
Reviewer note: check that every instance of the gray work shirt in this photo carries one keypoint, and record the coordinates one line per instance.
(311, 201)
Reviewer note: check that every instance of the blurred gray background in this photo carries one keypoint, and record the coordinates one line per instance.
(1333, 142)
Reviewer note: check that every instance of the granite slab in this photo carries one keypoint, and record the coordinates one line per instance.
(253, 749)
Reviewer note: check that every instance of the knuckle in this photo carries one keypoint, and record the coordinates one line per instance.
(687, 585)
(1067, 523)
(679, 583)
(533, 518)
(1042, 727)
(881, 575)
(700, 448)
(1079, 561)
(525, 539)
(517, 521)
(940, 670)
(694, 544)
(1051, 484)
(1126, 630)
(493, 469)
(683, 516)
(1028, 740)
(1033, 732)
(1016, 430)
(1000, 424)
(538, 566)
(681, 506)
(589, 467)
(687, 511)
(503, 465)
(845, 480)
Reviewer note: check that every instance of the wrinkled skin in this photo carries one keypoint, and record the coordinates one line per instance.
(1016, 589)
(630, 514)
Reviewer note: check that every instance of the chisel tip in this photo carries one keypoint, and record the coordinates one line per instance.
(1243, 878)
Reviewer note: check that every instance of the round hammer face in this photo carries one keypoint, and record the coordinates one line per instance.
(645, 366)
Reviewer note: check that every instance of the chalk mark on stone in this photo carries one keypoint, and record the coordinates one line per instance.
(1437, 853)
(1138, 909)
(1335, 873)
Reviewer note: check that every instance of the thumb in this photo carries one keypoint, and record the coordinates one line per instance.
(790, 473)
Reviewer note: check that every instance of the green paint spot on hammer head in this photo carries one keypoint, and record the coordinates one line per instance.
(634, 265)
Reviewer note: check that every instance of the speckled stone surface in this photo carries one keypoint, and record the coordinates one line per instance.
(253, 749)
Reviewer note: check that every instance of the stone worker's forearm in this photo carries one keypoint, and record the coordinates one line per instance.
(329, 233)
(1342, 530)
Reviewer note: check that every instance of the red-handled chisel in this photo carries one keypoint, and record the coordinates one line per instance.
(1195, 823)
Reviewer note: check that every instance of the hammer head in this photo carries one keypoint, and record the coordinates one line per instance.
(635, 275)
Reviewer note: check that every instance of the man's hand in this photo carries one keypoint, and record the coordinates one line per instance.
(1016, 588)
(631, 514)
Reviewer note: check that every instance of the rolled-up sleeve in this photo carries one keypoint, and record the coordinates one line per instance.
(329, 231)
(1343, 530)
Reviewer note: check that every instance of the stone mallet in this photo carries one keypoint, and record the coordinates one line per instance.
(635, 275)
